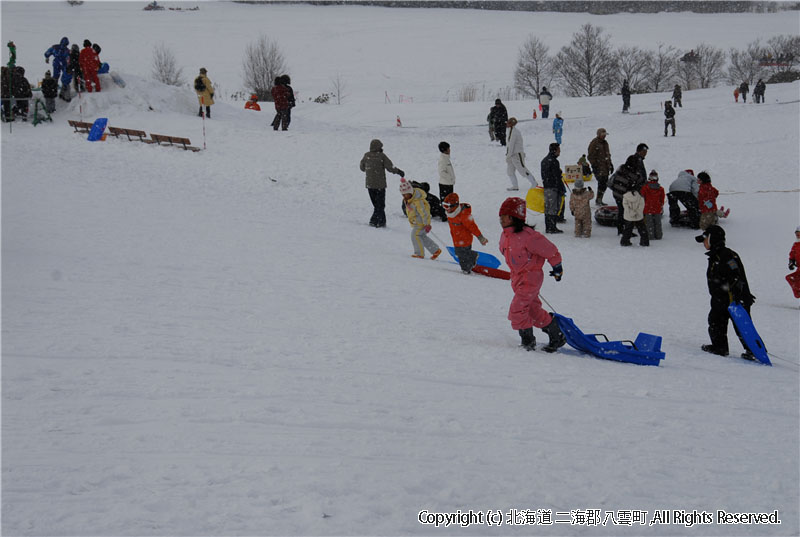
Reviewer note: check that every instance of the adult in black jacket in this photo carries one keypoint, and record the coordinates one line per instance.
(669, 117)
(74, 68)
(499, 117)
(21, 89)
(553, 188)
(626, 97)
(744, 89)
(626, 178)
(727, 282)
(49, 92)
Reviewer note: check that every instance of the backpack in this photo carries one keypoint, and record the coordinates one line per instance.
(199, 85)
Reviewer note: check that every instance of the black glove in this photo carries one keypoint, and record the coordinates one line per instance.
(792, 265)
(400, 172)
(557, 272)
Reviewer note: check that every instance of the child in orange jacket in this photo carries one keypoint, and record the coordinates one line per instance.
(707, 200)
(252, 104)
(462, 228)
(794, 260)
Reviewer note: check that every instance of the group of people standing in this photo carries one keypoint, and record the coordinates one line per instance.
(744, 88)
(76, 65)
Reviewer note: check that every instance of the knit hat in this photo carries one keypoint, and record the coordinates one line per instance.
(514, 207)
(203, 70)
(254, 97)
(47, 73)
(689, 171)
(450, 200)
(512, 121)
(406, 187)
(715, 233)
(601, 131)
(578, 183)
(653, 176)
(797, 229)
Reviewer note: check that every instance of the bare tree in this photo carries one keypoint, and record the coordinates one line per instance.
(746, 64)
(587, 66)
(339, 86)
(784, 53)
(661, 67)
(710, 65)
(263, 62)
(165, 67)
(534, 67)
(632, 65)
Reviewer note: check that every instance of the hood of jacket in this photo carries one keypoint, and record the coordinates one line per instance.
(376, 145)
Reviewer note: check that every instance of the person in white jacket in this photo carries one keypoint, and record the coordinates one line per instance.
(633, 204)
(515, 156)
(447, 176)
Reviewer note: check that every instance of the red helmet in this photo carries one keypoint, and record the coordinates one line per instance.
(450, 200)
(514, 207)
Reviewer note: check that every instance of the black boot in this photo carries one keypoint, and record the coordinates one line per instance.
(557, 338)
(208, 112)
(200, 113)
(528, 339)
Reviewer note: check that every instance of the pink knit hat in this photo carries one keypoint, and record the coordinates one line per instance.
(406, 187)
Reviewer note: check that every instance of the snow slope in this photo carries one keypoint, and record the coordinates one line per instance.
(216, 343)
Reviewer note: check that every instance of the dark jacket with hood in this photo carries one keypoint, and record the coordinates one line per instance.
(49, 87)
(551, 173)
(375, 163)
(725, 275)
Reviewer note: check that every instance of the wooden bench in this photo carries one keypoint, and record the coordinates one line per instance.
(80, 126)
(185, 143)
(130, 133)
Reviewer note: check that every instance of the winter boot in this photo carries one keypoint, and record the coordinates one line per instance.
(528, 339)
(714, 350)
(557, 338)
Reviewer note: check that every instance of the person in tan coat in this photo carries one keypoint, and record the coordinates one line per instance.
(599, 156)
(205, 92)
(579, 207)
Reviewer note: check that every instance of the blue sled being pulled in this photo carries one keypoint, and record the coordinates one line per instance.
(646, 350)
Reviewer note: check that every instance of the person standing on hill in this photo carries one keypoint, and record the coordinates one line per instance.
(626, 97)
(558, 127)
(515, 157)
(499, 117)
(544, 99)
(280, 98)
(205, 92)
(447, 175)
(60, 54)
(375, 164)
(744, 89)
(554, 188)
(49, 92)
(286, 81)
(669, 117)
(758, 92)
(677, 94)
(599, 155)
(74, 68)
(90, 63)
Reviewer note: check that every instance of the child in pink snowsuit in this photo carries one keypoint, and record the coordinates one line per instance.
(525, 251)
(794, 260)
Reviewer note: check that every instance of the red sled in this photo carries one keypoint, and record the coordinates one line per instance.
(492, 272)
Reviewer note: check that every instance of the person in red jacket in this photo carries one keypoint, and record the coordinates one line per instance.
(252, 104)
(653, 194)
(280, 96)
(90, 63)
(707, 200)
(462, 229)
(525, 251)
(794, 260)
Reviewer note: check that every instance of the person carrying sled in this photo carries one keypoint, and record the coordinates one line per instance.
(499, 118)
(727, 283)
(90, 63)
(677, 94)
(653, 194)
(669, 117)
(794, 261)
(579, 207)
(447, 175)
(599, 155)
(375, 164)
(252, 103)
(515, 156)
(558, 127)
(418, 211)
(462, 229)
(205, 92)
(525, 251)
(49, 92)
(707, 201)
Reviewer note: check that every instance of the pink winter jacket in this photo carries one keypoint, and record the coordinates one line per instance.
(525, 253)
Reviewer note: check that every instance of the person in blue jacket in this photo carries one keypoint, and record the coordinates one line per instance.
(558, 127)
(60, 54)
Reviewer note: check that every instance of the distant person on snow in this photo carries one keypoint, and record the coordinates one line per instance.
(74, 68)
(653, 194)
(49, 92)
(794, 261)
(544, 99)
(669, 117)
(283, 98)
(90, 63)
(707, 201)
(744, 89)
(758, 92)
(736, 94)
(60, 54)
(727, 283)
(677, 94)
(684, 189)
(525, 251)
(375, 163)
(418, 211)
(558, 127)
(599, 155)
(499, 118)
(515, 157)
(447, 176)
(21, 89)
(626, 97)
(462, 229)
(205, 92)
(252, 103)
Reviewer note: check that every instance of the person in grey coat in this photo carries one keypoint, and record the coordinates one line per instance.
(375, 163)
(684, 189)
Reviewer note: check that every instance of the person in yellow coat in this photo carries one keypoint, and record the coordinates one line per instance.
(418, 211)
(205, 92)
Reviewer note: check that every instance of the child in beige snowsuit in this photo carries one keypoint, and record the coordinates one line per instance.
(579, 207)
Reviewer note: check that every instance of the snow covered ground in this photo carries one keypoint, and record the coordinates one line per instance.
(216, 343)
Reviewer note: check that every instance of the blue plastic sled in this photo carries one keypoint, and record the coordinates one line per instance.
(646, 350)
(96, 132)
(747, 330)
(484, 259)
(103, 68)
